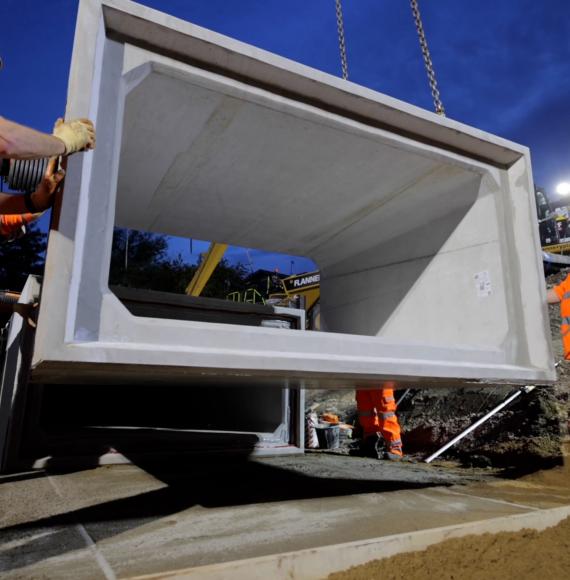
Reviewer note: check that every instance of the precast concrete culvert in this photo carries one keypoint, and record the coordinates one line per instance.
(423, 228)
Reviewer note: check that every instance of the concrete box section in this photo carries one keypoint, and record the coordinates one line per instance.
(424, 229)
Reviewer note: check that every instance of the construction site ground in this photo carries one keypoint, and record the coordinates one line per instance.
(155, 517)
(305, 516)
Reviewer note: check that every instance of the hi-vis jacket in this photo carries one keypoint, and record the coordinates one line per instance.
(563, 292)
(11, 224)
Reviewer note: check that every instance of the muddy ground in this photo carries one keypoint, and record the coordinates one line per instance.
(526, 435)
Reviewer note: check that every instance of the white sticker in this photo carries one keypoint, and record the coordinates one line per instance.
(483, 284)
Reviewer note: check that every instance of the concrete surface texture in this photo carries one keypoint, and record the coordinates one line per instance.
(423, 228)
(158, 517)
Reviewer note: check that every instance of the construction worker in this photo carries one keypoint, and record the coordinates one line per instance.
(377, 416)
(20, 142)
(16, 211)
(561, 293)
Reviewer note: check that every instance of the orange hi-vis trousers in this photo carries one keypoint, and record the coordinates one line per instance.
(377, 414)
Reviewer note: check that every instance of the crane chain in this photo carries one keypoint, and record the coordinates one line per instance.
(439, 109)
(341, 40)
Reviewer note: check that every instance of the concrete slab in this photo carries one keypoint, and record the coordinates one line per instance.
(539, 492)
(318, 563)
(200, 536)
(424, 229)
(79, 563)
(164, 516)
(59, 551)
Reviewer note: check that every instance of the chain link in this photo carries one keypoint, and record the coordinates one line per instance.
(427, 59)
(341, 40)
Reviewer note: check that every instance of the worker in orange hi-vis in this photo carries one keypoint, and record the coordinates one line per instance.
(18, 210)
(561, 294)
(377, 417)
(13, 227)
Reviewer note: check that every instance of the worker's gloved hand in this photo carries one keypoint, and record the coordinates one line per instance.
(44, 195)
(77, 135)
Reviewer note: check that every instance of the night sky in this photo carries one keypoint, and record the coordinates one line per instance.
(502, 66)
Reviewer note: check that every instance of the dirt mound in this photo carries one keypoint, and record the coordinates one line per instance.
(504, 556)
(530, 430)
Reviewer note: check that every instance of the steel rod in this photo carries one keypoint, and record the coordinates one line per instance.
(479, 422)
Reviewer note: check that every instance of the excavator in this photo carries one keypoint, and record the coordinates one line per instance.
(554, 229)
(300, 290)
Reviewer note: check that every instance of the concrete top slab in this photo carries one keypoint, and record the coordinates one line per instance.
(138, 25)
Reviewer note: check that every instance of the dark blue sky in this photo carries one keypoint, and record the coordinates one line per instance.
(502, 66)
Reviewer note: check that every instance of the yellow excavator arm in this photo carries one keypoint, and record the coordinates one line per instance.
(209, 262)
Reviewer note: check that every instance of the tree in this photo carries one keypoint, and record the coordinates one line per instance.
(141, 261)
(135, 257)
(143, 248)
(144, 264)
(225, 279)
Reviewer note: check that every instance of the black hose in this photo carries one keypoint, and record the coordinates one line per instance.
(25, 174)
(8, 297)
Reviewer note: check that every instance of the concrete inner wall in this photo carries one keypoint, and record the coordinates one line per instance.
(391, 229)
(209, 162)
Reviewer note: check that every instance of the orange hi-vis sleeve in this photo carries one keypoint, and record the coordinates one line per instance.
(11, 222)
(563, 292)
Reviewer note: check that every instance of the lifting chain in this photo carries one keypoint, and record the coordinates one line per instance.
(439, 109)
(427, 59)
(341, 41)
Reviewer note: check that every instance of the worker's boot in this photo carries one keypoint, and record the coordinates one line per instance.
(390, 456)
(394, 453)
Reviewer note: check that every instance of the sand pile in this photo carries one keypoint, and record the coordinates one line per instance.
(503, 556)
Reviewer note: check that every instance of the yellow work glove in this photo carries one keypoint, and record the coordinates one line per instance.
(77, 135)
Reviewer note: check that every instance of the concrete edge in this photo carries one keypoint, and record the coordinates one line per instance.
(318, 562)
